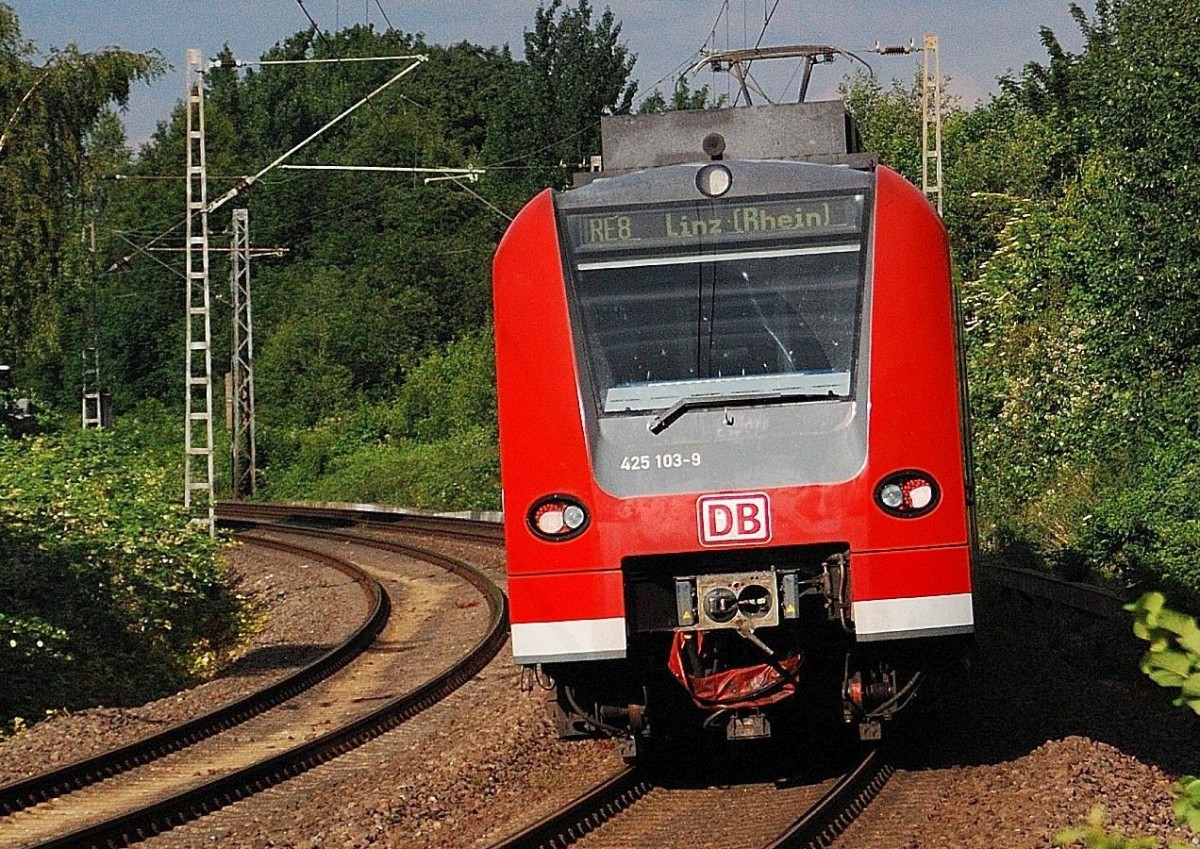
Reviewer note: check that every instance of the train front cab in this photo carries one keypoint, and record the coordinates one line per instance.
(692, 520)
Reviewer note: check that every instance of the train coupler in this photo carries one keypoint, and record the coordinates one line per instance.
(754, 726)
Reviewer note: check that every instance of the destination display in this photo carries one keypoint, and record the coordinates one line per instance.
(712, 225)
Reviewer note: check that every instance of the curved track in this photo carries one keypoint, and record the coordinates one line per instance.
(479, 527)
(36, 789)
(46, 811)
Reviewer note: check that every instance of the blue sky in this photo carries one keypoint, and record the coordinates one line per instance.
(979, 40)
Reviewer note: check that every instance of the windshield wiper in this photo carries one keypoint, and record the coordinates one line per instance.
(741, 399)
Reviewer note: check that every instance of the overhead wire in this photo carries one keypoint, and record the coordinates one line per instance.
(766, 22)
(247, 181)
(145, 248)
(276, 231)
(501, 165)
(767, 16)
(788, 85)
(482, 199)
(138, 249)
(544, 147)
(270, 233)
(311, 20)
(386, 19)
(672, 74)
(691, 59)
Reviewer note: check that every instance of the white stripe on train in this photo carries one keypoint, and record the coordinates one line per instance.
(579, 639)
(604, 639)
(924, 616)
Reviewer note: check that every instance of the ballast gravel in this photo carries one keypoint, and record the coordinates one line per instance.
(1055, 722)
(283, 593)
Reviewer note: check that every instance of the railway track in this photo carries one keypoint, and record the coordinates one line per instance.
(478, 527)
(186, 771)
(635, 808)
(1085, 598)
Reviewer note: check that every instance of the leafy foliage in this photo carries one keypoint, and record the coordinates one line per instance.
(889, 121)
(434, 446)
(381, 270)
(575, 70)
(54, 123)
(1071, 203)
(1095, 835)
(1187, 802)
(1172, 660)
(107, 594)
(1081, 331)
(683, 97)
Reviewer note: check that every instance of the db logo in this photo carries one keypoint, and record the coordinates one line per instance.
(734, 519)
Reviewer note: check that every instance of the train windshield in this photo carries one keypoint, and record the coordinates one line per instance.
(738, 299)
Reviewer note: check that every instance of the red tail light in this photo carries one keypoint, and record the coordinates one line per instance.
(908, 494)
(558, 517)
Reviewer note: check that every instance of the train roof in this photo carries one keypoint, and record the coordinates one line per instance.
(818, 131)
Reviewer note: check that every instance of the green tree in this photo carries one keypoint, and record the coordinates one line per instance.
(683, 98)
(1084, 333)
(377, 251)
(52, 124)
(434, 446)
(889, 120)
(575, 70)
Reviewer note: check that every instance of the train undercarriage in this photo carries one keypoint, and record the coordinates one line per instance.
(743, 655)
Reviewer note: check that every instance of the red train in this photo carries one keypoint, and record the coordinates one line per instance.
(732, 447)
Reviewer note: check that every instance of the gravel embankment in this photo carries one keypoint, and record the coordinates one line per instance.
(1045, 734)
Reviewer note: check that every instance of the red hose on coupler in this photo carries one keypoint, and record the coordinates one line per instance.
(752, 686)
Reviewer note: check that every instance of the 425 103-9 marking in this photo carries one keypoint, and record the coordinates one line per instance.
(645, 462)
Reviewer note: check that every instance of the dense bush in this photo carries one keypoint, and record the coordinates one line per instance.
(433, 447)
(1087, 456)
(458, 473)
(107, 594)
(1083, 335)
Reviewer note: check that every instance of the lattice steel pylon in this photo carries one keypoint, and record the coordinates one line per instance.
(931, 121)
(93, 417)
(242, 449)
(198, 421)
(93, 407)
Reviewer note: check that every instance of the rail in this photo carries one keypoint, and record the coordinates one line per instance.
(197, 801)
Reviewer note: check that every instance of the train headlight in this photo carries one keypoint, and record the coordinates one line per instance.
(908, 494)
(557, 518)
(574, 517)
(714, 180)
